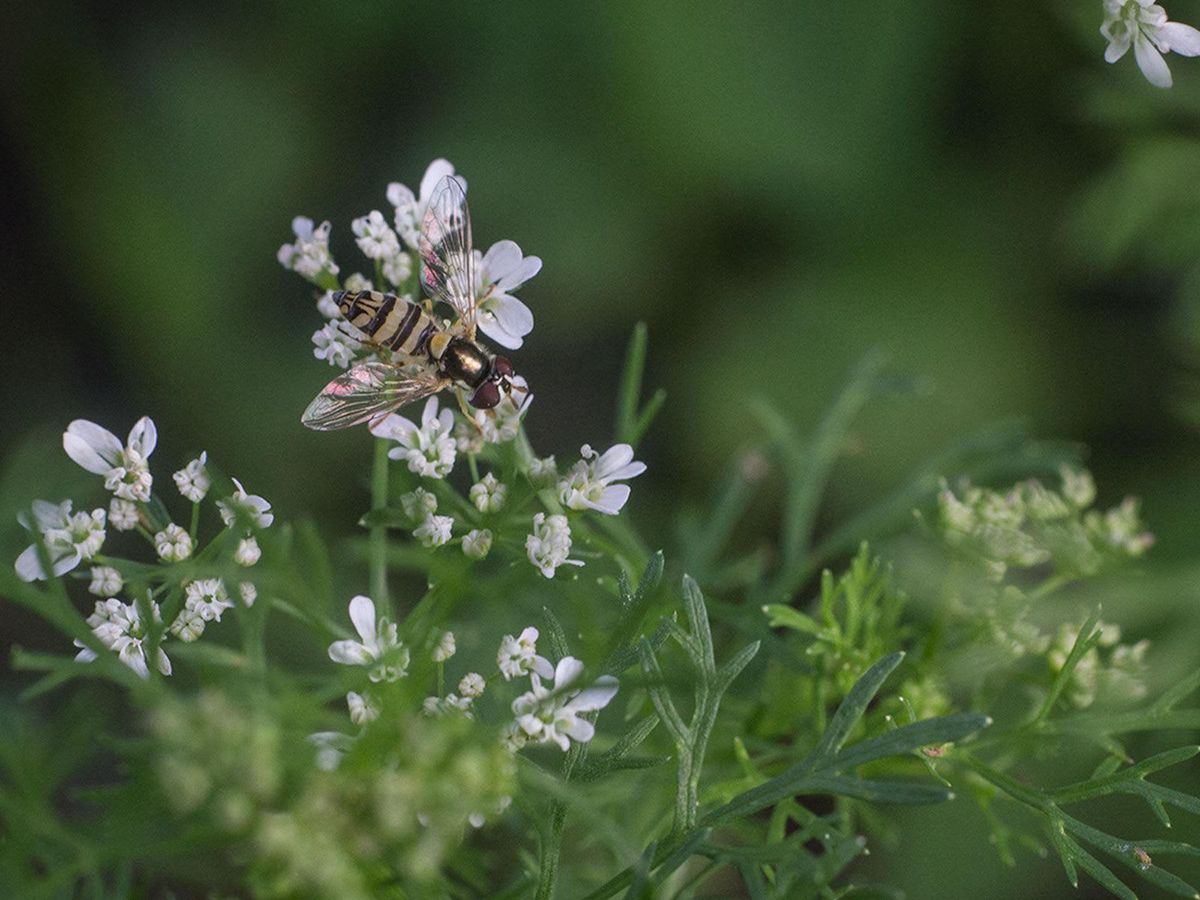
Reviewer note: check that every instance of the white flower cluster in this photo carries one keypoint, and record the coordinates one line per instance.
(590, 484)
(67, 539)
(549, 545)
(428, 448)
(308, 256)
(1143, 25)
(558, 714)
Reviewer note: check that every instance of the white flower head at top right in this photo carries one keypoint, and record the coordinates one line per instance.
(1143, 25)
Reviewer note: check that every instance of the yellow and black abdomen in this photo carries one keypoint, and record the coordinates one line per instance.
(387, 320)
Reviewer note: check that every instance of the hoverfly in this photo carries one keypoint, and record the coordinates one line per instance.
(428, 357)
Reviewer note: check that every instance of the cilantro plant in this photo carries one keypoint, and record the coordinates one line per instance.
(655, 717)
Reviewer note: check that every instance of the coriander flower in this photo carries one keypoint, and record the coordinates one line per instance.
(332, 344)
(119, 627)
(434, 531)
(123, 515)
(418, 504)
(69, 538)
(472, 685)
(488, 494)
(468, 438)
(192, 480)
(518, 656)
(549, 544)
(1143, 25)
(247, 552)
(205, 599)
(1077, 486)
(125, 468)
(256, 510)
(477, 543)
(379, 647)
(554, 715)
(309, 255)
(428, 448)
(173, 544)
(355, 281)
(543, 472)
(451, 704)
(373, 236)
(589, 484)
(502, 317)
(410, 209)
(445, 648)
(363, 709)
(106, 581)
(397, 269)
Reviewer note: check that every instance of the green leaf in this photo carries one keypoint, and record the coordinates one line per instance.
(780, 615)
(907, 738)
(854, 706)
(1088, 637)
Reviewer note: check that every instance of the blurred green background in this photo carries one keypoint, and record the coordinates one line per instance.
(775, 188)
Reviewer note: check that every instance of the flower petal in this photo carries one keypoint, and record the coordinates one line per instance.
(513, 315)
(569, 668)
(502, 259)
(362, 614)
(438, 169)
(28, 566)
(578, 729)
(49, 515)
(612, 499)
(595, 697)
(542, 667)
(393, 427)
(1150, 61)
(1179, 38)
(350, 653)
(399, 195)
(96, 449)
(143, 437)
(490, 326)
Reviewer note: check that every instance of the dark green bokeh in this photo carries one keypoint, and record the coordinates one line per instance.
(774, 187)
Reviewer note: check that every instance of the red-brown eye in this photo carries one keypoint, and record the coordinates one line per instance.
(487, 396)
(502, 367)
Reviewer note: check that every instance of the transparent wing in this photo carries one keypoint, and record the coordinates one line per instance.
(368, 390)
(448, 270)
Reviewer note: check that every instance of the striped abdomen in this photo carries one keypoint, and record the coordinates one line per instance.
(387, 320)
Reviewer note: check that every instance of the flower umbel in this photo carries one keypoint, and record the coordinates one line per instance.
(428, 448)
(119, 627)
(550, 544)
(518, 656)
(192, 480)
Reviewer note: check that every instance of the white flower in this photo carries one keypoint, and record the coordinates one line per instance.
(362, 709)
(589, 484)
(379, 647)
(309, 255)
(428, 449)
(554, 715)
(502, 422)
(173, 544)
(69, 538)
(468, 438)
(543, 472)
(192, 480)
(248, 592)
(434, 531)
(205, 599)
(477, 543)
(488, 494)
(355, 281)
(332, 344)
(418, 504)
(502, 317)
(398, 268)
(123, 514)
(445, 648)
(119, 627)
(410, 210)
(1143, 24)
(253, 507)
(248, 552)
(106, 581)
(373, 236)
(549, 544)
(125, 469)
(472, 685)
(513, 738)
(518, 656)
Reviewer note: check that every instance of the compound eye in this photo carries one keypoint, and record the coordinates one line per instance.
(487, 396)
(501, 367)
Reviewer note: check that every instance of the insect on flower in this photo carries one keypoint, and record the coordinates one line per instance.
(426, 357)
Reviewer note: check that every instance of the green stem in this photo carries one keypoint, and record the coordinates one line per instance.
(552, 846)
(195, 526)
(378, 540)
